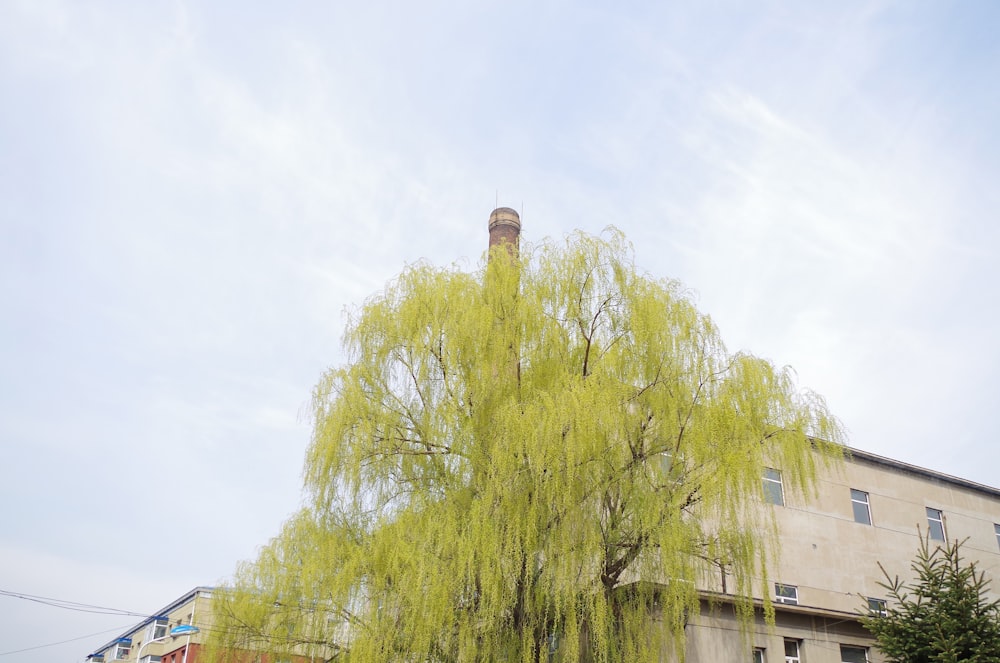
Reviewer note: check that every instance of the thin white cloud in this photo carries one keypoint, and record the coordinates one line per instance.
(190, 201)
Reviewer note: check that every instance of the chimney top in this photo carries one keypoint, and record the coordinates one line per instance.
(505, 228)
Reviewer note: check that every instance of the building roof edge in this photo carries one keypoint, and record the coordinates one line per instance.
(173, 605)
(875, 459)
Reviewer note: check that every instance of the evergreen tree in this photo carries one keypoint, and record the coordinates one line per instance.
(942, 616)
(527, 463)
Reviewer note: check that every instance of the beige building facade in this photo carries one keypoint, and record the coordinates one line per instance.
(870, 511)
(150, 641)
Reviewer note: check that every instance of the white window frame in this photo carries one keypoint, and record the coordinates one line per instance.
(772, 478)
(786, 594)
(936, 516)
(877, 607)
(758, 655)
(797, 657)
(996, 528)
(120, 651)
(157, 628)
(856, 648)
(859, 498)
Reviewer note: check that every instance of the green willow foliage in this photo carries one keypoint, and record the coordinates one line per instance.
(539, 461)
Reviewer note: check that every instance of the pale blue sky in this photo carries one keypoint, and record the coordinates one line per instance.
(192, 193)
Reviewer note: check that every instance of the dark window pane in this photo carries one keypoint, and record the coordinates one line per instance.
(773, 493)
(935, 524)
(786, 593)
(861, 513)
(853, 654)
(876, 606)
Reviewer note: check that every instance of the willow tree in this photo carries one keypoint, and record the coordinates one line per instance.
(542, 460)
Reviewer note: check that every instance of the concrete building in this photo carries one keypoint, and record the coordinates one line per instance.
(150, 641)
(871, 511)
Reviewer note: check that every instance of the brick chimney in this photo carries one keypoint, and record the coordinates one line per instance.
(505, 228)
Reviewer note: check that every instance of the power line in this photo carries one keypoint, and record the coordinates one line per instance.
(61, 642)
(86, 607)
(72, 605)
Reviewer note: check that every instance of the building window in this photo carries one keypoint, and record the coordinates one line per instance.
(996, 528)
(853, 654)
(877, 607)
(862, 510)
(792, 651)
(157, 628)
(935, 524)
(786, 594)
(121, 649)
(758, 655)
(773, 492)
